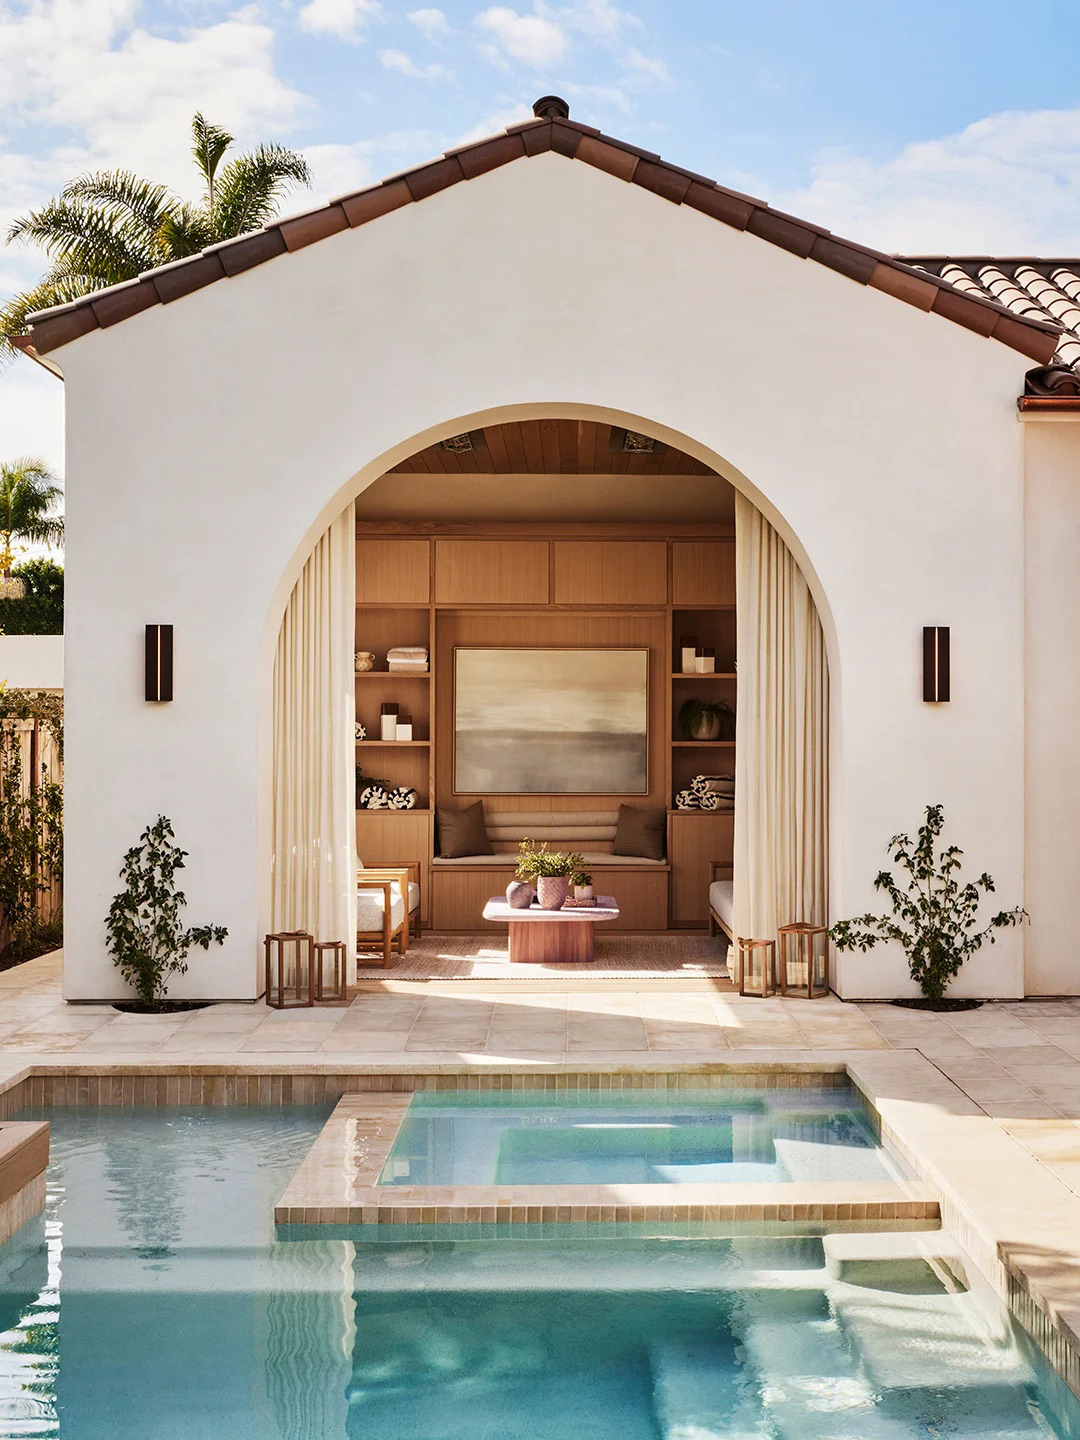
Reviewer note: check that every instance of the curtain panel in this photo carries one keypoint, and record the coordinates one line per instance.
(314, 865)
(782, 737)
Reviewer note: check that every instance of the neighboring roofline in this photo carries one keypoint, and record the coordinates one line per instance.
(25, 345)
(52, 328)
(1070, 262)
(1049, 404)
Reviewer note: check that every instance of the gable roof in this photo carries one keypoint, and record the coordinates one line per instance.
(1033, 335)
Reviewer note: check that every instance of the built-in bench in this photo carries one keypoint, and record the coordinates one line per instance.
(461, 886)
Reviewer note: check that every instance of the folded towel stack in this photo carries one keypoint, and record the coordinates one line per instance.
(407, 659)
(707, 792)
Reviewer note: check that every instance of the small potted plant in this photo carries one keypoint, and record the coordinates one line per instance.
(707, 719)
(583, 888)
(934, 915)
(549, 870)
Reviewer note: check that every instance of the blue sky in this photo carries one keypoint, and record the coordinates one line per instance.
(917, 127)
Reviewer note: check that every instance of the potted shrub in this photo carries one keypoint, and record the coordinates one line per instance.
(934, 916)
(549, 870)
(146, 937)
(707, 719)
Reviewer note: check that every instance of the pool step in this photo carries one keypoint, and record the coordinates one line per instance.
(698, 1395)
(895, 1259)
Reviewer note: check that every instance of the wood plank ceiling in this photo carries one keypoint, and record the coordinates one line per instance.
(551, 447)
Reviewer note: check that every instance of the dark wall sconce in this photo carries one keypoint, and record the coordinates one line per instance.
(935, 663)
(159, 662)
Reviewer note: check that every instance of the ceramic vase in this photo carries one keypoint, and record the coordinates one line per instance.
(363, 661)
(707, 728)
(552, 890)
(583, 892)
(519, 895)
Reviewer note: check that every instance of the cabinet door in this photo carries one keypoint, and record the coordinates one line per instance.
(393, 572)
(703, 572)
(697, 839)
(491, 572)
(610, 572)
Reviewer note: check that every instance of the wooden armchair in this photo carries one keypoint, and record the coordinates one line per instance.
(384, 917)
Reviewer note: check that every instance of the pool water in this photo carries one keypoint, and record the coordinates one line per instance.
(682, 1138)
(155, 1301)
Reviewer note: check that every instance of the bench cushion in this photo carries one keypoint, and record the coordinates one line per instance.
(592, 862)
(370, 905)
(722, 901)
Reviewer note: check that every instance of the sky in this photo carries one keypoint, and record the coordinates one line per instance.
(931, 126)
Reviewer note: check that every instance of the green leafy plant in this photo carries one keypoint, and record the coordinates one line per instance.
(29, 496)
(146, 937)
(694, 713)
(581, 879)
(111, 225)
(935, 917)
(31, 825)
(536, 862)
(41, 609)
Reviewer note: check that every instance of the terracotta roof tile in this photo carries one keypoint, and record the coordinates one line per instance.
(1035, 291)
(1032, 305)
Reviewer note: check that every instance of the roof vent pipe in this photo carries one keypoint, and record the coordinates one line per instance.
(551, 107)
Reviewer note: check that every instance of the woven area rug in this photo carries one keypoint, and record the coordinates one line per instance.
(484, 957)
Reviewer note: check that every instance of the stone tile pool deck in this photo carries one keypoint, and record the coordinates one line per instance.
(983, 1105)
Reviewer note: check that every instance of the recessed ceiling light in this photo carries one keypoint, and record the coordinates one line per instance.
(458, 444)
(634, 443)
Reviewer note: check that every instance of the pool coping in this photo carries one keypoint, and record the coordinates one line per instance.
(1017, 1221)
(338, 1184)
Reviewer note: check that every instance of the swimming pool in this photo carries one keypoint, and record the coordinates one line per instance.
(155, 1301)
(682, 1138)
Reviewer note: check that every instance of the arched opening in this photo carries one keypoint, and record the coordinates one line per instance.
(557, 532)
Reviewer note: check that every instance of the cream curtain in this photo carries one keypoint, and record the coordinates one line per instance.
(314, 874)
(782, 735)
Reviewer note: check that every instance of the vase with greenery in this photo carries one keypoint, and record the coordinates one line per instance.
(550, 871)
(935, 916)
(707, 719)
(146, 935)
(583, 886)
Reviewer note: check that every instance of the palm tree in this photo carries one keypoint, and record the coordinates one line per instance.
(29, 493)
(111, 225)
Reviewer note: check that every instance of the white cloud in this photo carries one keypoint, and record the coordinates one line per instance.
(492, 125)
(343, 18)
(532, 40)
(398, 61)
(432, 24)
(1008, 184)
(599, 18)
(646, 70)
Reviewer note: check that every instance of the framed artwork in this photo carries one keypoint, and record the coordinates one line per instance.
(559, 721)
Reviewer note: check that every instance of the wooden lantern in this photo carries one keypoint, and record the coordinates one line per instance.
(334, 952)
(803, 960)
(757, 967)
(290, 970)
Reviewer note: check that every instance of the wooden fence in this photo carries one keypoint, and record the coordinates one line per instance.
(41, 763)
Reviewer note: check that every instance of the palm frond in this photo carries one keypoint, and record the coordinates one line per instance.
(185, 232)
(209, 143)
(29, 492)
(82, 237)
(251, 186)
(125, 191)
(58, 287)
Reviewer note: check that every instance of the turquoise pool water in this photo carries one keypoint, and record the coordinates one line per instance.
(156, 1302)
(677, 1138)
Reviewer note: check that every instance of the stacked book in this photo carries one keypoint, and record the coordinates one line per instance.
(407, 660)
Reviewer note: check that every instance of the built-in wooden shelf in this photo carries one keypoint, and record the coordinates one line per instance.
(703, 744)
(416, 810)
(392, 675)
(396, 744)
(674, 810)
(709, 675)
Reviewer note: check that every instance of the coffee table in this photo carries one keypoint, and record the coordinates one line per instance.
(552, 937)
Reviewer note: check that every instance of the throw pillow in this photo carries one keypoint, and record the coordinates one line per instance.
(640, 832)
(462, 832)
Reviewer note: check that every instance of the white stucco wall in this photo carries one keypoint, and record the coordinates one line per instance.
(32, 662)
(1052, 698)
(219, 435)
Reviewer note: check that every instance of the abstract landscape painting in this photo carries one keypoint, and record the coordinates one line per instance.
(571, 722)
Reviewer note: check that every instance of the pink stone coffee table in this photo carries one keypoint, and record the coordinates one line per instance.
(552, 937)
